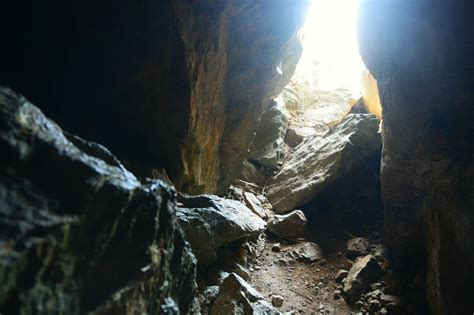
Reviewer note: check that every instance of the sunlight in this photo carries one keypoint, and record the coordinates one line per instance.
(331, 57)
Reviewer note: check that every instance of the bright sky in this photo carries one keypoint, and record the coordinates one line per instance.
(330, 37)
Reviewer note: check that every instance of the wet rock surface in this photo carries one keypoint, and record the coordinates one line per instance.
(80, 233)
(316, 163)
(210, 222)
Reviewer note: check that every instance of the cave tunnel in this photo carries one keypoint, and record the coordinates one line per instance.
(188, 157)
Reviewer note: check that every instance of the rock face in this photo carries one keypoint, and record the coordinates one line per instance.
(167, 84)
(237, 297)
(210, 222)
(357, 246)
(267, 145)
(316, 163)
(79, 232)
(428, 145)
(289, 225)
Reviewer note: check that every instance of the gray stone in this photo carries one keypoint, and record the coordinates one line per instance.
(363, 272)
(289, 225)
(210, 222)
(237, 297)
(296, 135)
(316, 162)
(308, 252)
(255, 205)
(357, 246)
(253, 173)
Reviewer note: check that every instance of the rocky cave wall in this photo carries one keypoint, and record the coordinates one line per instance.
(421, 55)
(175, 84)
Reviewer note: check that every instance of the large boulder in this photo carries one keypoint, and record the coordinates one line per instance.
(210, 222)
(269, 139)
(318, 162)
(79, 232)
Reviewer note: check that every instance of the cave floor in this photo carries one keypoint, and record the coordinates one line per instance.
(307, 287)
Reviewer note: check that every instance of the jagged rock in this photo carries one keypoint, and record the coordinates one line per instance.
(316, 163)
(289, 225)
(255, 205)
(80, 233)
(363, 272)
(308, 252)
(237, 297)
(210, 222)
(269, 139)
(357, 246)
(296, 135)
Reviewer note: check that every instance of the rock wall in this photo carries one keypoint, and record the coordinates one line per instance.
(421, 55)
(79, 233)
(168, 84)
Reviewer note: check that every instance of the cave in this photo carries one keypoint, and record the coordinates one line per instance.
(164, 157)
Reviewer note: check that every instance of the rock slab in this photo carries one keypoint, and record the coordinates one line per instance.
(317, 162)
(210, 222)
(362, 274)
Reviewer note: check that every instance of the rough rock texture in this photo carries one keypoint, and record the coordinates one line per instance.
(253, 173)
(237, 297)
(267, 144)
(292, 224)
(171, 84)
(362, 274)
(255, 204)
(308, 252)
(421, 55)
(296, 135)
(316, 163)
(210, 222)
(357, 246)
(79, 233)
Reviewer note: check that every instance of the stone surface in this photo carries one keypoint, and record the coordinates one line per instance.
(296, 135)
(316, 163)
(308, 252)
(80, 233)
(341, 275)
(237, 297)
(210, 222)
(428, 146)
(267, 145)
(357, 246)
(255, 205)
(289, 225)
(185, 94)
(362, 274)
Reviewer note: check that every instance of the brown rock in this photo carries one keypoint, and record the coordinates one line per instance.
(362, 273)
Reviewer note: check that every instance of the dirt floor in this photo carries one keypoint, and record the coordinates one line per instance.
(307, 287)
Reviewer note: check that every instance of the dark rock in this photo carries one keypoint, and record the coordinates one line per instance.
(277, 300)
(289, 225)
(427, 165)
(362, 273)
(79, 232)
(316, 163)
(357, 246)
(210, 222)
(268, 141)
(253, 173)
